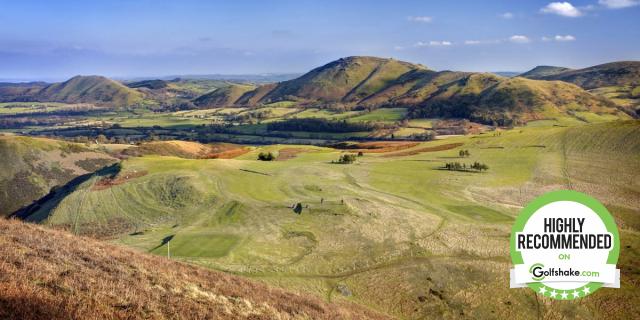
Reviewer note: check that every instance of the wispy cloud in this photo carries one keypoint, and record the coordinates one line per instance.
(564, 38)
(433, 44)
(559, 38)
(519, 39)
(618, 4)
(422, 19)
(564, 9)
(479, 42)
(507, 15)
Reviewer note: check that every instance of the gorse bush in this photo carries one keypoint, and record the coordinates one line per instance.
(266, 156)
(346, 158)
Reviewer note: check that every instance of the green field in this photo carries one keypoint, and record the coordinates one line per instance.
(7, 108)
(382, 115)
(383, 222)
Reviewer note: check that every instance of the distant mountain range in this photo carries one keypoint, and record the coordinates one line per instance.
(370, 82)
(248, 78)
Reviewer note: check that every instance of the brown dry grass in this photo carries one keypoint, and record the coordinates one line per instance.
(285, 154)
(106, 183)
(441, 147)
(378, 146)
(228, 154)
(47, 274)
(188, 150)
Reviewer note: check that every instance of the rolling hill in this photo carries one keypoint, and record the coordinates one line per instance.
(370, 82)
(540, 72)
(488, 99)
(226, 96)
(90, 89)
(149, 84)
(19, 92)
(79, 89)
(345, 80)
(46, 274)
(604, 75)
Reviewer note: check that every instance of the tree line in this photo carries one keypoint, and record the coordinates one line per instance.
(457, 166)
(319, 125)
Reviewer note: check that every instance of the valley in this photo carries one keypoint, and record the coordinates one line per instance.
(391, 219)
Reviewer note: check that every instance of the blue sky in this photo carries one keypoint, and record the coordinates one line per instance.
(58, 39)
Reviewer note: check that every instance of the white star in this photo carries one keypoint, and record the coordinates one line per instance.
(543, 290)
(576, 293)
(553, 293)
(586, 290)
(564, 295)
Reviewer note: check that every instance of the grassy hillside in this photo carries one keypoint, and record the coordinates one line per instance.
(149, 84)
(46, 274)
(15, 92)
(252, 98)
(90, 89)
(487, 98)
(348, 79)
(226, 96)
(30, 167)
(605, 75)
(375, 82)
(543, 71)
(392, 219)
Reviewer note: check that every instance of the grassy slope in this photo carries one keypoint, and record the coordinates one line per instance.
(90, 89)
(605, 75)
(377, 82)
(439, 238)
(534, 98)
(486, 97)
(226, 96)
(347, 79)
(543, 71)
(30, 167)
(80, 278)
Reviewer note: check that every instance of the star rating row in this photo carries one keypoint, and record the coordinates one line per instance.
(564, 294)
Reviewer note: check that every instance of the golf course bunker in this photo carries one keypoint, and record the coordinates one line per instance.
(413, 152)
(375, 146)
(204, 245)
(289, 153)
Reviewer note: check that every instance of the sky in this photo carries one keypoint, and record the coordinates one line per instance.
(54, 40)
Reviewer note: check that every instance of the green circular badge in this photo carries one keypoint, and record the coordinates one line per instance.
(565, 245)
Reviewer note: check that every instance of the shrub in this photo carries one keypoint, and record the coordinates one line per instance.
(266, 156)
(347, 158)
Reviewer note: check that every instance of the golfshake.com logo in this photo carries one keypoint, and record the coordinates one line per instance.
(565, 245)
(538, 272)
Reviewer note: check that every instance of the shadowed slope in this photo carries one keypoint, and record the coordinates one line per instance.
(79, 278)
(30, 167)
